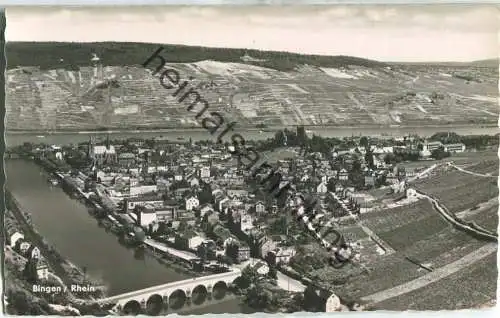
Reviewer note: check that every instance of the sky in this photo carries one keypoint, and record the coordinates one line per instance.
(418, 33)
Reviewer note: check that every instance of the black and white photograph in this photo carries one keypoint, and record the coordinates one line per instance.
(250, 159)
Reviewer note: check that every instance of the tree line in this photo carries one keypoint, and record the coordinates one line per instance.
(72, 55)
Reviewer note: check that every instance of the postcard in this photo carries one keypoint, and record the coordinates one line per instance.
(250, 159)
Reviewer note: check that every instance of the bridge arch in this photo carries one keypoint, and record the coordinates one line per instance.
(177, 299)
(132, 307)
(175, 294)
(154, 305)
(199, 294)
(220, 284)
(219, 289)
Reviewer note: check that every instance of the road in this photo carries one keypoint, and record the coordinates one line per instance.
(471, 172)
(178, 253)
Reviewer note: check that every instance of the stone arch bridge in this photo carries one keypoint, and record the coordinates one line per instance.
(162, 293)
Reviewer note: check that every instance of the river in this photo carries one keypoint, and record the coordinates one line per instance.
(15, 138)
(66, 224)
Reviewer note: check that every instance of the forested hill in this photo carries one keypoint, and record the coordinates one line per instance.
(48, 55)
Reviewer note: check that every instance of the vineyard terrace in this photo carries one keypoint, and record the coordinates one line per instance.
(214, 122)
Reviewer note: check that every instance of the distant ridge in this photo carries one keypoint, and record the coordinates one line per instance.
(47, 55)
(479, 63)
(487, 63)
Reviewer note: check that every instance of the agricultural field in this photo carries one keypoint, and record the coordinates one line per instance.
(469, 288)
(487, 218)
(382, 273)
(417, 231)
(384, 221)
(488, 168)
(406, 235)
(473, 158)
(458, 190)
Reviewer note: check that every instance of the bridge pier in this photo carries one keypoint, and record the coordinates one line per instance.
(209, 291)
(188, 297)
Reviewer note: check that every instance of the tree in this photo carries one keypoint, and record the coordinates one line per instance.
(331, 185)
(390, 158)
(19, 302)
(202, 252)
(227, 260)
(439, 153)
(29, 271)
(279, 226)
(301, 135)
(297, 303)
(369, 159)
(182, 226)
(312, 301)
(205, 195)
(250, 275)
(363, 142)
(257, 297)
(273, 272)
(356, 165)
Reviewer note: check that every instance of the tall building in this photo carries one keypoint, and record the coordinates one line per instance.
(104, 154)
(98, 74)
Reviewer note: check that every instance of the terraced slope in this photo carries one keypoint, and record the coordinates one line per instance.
(416, 231)
(346, 95)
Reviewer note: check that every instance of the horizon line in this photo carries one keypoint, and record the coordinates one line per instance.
(262, 50)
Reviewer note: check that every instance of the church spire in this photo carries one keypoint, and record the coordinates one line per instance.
(107, 142)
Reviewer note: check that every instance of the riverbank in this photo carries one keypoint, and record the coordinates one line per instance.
(138, 130)
(172, 260)
(68, 273)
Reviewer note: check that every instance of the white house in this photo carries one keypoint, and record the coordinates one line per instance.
(343, 175)
(196, 241)
(433, 145)
(42, 271)
(267, 245)
(454, 147)
(260, 208)
(133, 202)
(194, 182)
(284, 254)
(33, 252)
(205, 172)
(136, 191)
(206, 209)
(15, 237)
(23, 247)
(321, 188)
(146, 215)
(191, 203)
(333, 304)
(246, 223)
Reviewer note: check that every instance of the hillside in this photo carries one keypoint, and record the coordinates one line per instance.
(493, 63)
(76, 55)
(273, 88)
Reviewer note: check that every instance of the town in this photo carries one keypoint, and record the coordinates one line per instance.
(273, 159)
(195, 202)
